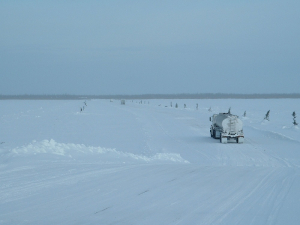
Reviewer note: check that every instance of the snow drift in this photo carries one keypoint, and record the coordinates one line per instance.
(80, 151)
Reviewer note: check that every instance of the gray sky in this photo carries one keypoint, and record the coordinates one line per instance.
(149, 47)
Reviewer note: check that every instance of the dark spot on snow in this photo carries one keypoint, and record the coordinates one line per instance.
(172, 180)
(143, 192)
(102, 210)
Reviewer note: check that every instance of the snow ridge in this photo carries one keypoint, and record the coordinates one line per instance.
(79, 151)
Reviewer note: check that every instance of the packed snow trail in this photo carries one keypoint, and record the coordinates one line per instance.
(146, 164)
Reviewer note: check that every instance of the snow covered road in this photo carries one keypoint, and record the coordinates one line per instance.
(147, 163)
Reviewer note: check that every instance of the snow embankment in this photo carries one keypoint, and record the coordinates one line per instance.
(81, 152)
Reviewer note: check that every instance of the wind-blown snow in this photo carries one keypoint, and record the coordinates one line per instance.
(147, 163)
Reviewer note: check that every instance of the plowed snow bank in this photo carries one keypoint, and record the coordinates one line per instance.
(80, 151)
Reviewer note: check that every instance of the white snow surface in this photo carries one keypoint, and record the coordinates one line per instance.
(147, 163)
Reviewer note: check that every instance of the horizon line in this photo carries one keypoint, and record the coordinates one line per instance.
(149, 96)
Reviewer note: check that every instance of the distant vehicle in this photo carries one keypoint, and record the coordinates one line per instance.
(122, 102)
(225, 127)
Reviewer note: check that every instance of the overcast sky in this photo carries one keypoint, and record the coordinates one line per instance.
(149, 47)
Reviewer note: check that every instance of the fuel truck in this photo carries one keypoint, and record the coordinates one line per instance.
(226, 127)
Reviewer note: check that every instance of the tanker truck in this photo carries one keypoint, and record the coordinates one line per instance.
(225, 127)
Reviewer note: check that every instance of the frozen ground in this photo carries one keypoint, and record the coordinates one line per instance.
(147, 163)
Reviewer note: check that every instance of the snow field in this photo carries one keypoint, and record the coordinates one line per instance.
(147, 163)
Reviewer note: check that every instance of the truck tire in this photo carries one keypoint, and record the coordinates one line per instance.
(223, 140)
(240, 140)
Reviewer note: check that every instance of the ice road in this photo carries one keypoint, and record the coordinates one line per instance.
(146, 162)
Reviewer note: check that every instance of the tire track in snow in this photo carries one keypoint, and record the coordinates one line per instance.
(270, 154)
(236, 201)
(274, 135)
(29, 185)
(277, 205)
(176, 140)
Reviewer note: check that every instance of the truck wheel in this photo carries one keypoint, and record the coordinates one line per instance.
(214, 134)
(240, 140)
(223, 140)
